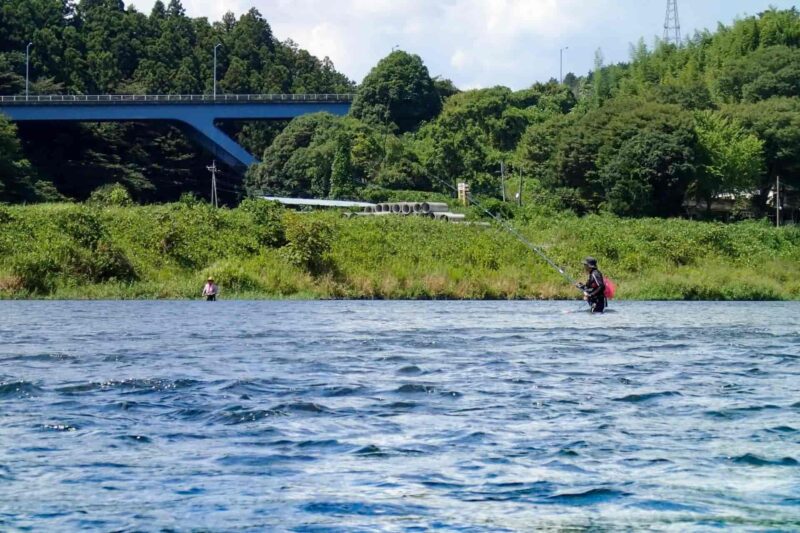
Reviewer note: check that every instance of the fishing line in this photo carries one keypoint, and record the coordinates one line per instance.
(515, 233)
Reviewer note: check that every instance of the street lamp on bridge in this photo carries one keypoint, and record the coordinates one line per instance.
(27, 68)
(561, 64)
(215, 69)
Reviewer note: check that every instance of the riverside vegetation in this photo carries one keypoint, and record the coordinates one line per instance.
(260, 250)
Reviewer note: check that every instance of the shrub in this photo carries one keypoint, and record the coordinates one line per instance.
(380, 194)
(188, 234)
(189, 199)
(83, 225)
(36, 271)
(268, 217)
(232, 276)
(109, 263)
(497, 208)
(112, 194)
(309, 243)
(5, 215)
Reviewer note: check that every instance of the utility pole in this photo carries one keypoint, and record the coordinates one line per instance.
(215, 69)
(672, 24)
(561, 65)
(777, 201)
(519, 193)
(213, 169)
(27, 69)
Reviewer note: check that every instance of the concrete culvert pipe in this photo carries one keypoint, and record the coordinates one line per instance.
(434, 207)
(407, 208)
(455, 217)
(417, 207)
(395, 208)
(368, 209)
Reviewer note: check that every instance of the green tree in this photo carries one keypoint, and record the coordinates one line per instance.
(298, 161)
(342, 185)
(16, 183)
(589, 156)
(767, 72)
(777, 123)
(648, 175)
(398, 90)
(730, 159)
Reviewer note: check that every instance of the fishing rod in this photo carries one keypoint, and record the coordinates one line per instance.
(538, 251)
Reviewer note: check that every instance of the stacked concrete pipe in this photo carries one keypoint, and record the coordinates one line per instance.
(434, 207)
(434, 210)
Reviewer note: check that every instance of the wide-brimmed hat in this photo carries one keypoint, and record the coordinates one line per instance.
(590, 262)
(210, 278)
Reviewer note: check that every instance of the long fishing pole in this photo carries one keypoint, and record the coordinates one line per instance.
(538, 251)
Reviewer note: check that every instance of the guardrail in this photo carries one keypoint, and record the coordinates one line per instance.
(172, 98)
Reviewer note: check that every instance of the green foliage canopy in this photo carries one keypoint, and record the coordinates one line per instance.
(398, 90)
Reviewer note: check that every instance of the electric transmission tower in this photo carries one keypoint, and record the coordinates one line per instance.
(672, 24)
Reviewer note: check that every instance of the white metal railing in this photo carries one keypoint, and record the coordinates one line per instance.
(174, 98)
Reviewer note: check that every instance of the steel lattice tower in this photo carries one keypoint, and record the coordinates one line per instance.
(672, 24)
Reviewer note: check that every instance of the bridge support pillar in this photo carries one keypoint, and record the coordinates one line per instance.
(218, 143)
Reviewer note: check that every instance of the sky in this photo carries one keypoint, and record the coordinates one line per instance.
(476, 43)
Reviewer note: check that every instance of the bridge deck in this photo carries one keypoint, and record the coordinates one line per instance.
(85, 99)
(196, 112)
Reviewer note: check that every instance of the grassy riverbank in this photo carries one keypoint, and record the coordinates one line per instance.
(260, 251)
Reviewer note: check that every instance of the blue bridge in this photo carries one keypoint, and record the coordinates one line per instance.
(196, 114)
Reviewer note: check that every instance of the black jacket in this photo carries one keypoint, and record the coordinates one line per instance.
(595, 286)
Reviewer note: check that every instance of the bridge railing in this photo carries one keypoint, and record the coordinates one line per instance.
(171, 98)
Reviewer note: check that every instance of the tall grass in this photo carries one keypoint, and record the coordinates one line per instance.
(261, 251)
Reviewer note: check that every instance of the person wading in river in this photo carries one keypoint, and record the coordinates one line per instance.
(594, 290)
(210, 290)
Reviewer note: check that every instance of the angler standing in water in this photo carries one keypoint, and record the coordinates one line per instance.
(210, 290)
(594, 290)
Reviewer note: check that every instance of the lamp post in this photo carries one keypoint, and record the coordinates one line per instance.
(561, 64)
(27, 68)
(215, 69)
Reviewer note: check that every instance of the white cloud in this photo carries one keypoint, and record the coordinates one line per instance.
(473, 42)
(459, 59)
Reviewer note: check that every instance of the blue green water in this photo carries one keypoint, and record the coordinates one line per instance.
(398, 416)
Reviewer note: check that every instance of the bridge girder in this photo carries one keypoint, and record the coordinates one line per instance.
(197, 119)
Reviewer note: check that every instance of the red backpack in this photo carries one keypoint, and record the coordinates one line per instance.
(611, 288)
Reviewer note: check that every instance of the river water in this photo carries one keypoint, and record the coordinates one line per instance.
(398, 416)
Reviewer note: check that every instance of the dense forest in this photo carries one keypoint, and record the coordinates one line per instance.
(104, 47)
(718, 115)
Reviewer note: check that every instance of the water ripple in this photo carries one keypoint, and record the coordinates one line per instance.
(398, 416)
